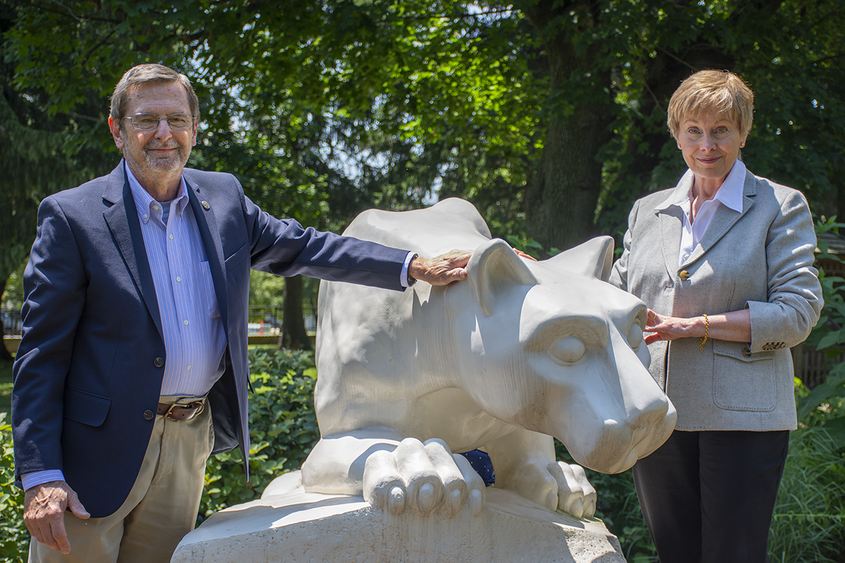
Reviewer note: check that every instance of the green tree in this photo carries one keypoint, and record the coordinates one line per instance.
(548, 114)
(41, 155)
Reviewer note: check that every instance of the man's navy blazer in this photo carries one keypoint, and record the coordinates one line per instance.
(90, 363)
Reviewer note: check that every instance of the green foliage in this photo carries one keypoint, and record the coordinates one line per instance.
(530, 246)
(12, 297)
(14, 537)
(818, 406)
(266, 290)
(346, 105)
(809, 519)
(283, 429)
(5, 385)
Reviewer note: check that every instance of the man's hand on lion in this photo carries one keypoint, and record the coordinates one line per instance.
(440, 270)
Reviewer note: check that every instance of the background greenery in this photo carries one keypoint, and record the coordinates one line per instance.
(549, 115)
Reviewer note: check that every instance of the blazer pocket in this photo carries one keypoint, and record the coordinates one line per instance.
(86, 408)
(237, 257)
(743, 381)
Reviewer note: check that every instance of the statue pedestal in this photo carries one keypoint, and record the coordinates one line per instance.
(290, 525)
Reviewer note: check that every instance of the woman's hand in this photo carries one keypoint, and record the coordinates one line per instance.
(734, 326)
(671, 328)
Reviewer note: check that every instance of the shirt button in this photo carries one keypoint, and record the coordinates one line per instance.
(178, 278)
(746, 352)
(148, 415)
(686, 256)
(158, 362)
(171, 237)
(185, 322)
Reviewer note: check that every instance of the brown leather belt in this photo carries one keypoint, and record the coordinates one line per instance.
(181, 411)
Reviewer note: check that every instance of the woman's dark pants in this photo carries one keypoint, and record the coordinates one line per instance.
(709, 496)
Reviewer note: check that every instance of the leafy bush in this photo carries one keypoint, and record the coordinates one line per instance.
(809, 520)
(814, 407)
(14, 537)
(283, 429)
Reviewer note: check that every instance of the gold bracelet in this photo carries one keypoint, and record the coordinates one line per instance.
(706, 333)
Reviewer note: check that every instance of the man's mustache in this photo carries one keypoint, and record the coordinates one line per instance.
(164, 146)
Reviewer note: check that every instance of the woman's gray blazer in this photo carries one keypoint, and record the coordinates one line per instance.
(760, 259)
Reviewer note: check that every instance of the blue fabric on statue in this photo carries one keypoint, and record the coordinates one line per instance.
(480, 461)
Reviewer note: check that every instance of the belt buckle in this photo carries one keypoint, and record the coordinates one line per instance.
(195, 403)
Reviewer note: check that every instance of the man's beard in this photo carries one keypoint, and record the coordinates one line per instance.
(173, 162)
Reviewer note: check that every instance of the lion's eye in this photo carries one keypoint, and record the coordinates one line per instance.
(635, 336)
(568, 351)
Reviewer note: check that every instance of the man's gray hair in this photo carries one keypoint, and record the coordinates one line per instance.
(142, 74)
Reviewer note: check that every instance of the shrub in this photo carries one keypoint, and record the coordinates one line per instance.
(14, 537)
(282, 425)
(809, 519)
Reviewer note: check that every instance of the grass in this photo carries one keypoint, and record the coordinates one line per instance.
(809, 519)
(5, 385)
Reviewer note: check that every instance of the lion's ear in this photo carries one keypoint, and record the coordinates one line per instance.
(592, 258)
(493, 268)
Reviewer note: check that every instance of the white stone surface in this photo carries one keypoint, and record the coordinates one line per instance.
(519, 352)
(290, 525)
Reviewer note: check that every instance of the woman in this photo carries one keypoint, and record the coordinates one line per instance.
(724, 262)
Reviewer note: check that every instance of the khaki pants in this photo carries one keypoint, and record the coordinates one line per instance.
(160, 509)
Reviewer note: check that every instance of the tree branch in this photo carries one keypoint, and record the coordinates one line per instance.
(678, 59)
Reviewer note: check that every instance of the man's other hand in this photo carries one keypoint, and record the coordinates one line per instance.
(440, 270)
(44, 513)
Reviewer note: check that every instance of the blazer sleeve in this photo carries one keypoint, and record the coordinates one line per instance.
(283, 247)
(619, 272)
(794, 292)
(54, 298)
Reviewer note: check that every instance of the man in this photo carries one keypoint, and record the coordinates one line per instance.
(132, 368)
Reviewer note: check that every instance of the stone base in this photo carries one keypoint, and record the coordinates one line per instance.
(290, 525)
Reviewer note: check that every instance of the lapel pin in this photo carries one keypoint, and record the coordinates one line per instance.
(206, 206)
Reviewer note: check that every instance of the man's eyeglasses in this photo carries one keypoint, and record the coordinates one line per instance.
(149, 121)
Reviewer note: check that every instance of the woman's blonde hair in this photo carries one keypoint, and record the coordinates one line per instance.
(716, 92)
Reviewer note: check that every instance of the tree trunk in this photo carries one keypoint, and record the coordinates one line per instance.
(293, 325)
(560, 203)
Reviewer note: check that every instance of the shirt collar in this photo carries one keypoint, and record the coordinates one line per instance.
(145, 203)
(729, 193)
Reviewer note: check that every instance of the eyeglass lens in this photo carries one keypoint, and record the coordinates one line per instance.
(149, 121)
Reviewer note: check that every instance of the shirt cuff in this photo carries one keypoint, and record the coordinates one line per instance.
(40, 477)
(403, 277)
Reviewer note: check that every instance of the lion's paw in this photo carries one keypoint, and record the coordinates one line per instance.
(555, 485)
(575, 495)
(422, 477)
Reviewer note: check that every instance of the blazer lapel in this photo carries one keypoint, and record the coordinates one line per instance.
(210, 234)
(671, 225)
(121, 216)
(724, 219)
